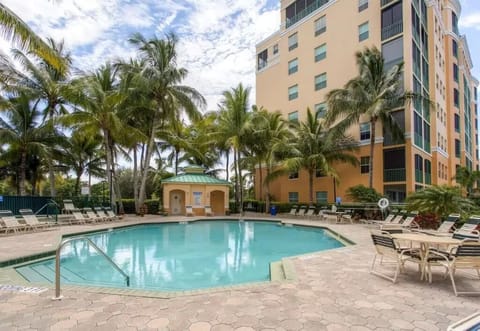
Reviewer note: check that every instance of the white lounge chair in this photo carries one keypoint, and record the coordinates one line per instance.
(111, 214)
(81, 218)
(32, 221)
(189, 211)
(208, 211)
(68, 207)
(94, 216)
(10, 222)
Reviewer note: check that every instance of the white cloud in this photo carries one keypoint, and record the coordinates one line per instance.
(217, 38)
(470, 20)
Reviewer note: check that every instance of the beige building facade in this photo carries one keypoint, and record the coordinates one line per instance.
(313, 52)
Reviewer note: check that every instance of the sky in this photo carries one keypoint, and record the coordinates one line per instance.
(217, 37)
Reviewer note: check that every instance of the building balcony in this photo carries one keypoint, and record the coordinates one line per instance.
(392, 30)
(386, 2)
(418, 176)
(304, 13)
(394, 175)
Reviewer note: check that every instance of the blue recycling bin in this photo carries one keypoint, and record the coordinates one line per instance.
(273, 210)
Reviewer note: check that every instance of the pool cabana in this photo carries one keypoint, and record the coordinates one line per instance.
(194, 188)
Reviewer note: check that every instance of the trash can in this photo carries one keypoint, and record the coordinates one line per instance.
(273, 210)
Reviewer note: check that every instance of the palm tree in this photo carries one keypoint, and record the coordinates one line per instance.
(373, 94)
(234, 119)
(317, 147)
(156, 79)
(467, 178)
(38, 78)
(440, 200)
(25, 137)
(15, 29)
(267, 138)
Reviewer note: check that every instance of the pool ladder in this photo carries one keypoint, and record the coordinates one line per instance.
(58, 296)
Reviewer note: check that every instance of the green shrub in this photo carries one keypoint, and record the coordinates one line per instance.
(361, 193)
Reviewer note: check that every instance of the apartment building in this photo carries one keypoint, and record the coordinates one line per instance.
(313, 52)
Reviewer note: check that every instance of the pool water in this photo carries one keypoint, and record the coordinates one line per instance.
(174, 256)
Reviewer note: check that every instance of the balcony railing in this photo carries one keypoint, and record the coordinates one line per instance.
(392, 30)
(386, 2)
(394, 175)
(304, 13)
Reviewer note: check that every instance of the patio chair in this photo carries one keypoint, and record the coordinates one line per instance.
(386, 247)
(32, 221)
(208, 211)
(94, 216)
(446, 228)
(346, 217)
(10, 222)
(387, 219)
(408, 223)
(189, 211)
(309, 212)
(79, 217)
(464, 256)
(111, 214)
(68, 207)
(301, 211)
(472, 224)
(293, 211)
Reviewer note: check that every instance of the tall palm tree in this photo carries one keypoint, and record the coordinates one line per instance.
(157, 79)
(466, 178)
(38, 78)
(317, 147)
(374, 94)
(268, 138)
(26, 135)
(234, 120)
(15, 29)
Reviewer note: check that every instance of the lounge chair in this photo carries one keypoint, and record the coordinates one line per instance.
(94, 216)
(81, 218)
(32, 221)
(310, 212)
(446, 228)
(189, 211)
(345, 217)
(408, 222)
(301, 211)
(387, 219)
(68, 207)
(111, 214)
(293, 211)
(10, 222)
(464, 256)
(208, 211)
(386, 247)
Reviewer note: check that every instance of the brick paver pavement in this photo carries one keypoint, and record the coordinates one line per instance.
(333, 290)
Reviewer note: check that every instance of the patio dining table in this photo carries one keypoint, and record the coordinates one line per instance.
(426, 242)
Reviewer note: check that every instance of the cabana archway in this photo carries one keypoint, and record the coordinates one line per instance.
(217, 202)
(177, 202)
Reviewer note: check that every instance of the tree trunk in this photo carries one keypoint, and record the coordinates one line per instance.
(23, 167)
(240, 180)
(310, 185)
(260, 179)
(176, 161)
(78, 174)
(237, 195)
(109, 167)
(51, 177)
(267, 191)
(144, 172)
(372, 149)
(228, 165)
(135, 178)
(116, 185)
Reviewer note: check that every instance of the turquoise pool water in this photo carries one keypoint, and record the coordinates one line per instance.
(174, 256)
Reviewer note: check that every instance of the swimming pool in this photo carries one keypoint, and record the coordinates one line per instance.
(182, 256)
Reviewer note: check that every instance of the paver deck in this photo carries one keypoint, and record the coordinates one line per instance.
(333, 290)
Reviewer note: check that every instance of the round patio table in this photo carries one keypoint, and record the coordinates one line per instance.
(425, 241)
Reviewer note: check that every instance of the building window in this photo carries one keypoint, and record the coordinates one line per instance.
(321, 25)
(362, 5)
(293, 66)
(428, 172)
(418, 168)
(454, 48)
(293, 116)
(455, 72)
(365, 131)
(322, 196)
(455, 23)
(293, 197)
(365, 164)
(392, 52)
(293, 92)
(457, 148)
(321, 109)
(293, 41)
(293, 175)
(262, 59)
(320, 81)
(456, 120)
(275, 49)
(363, 31)
(320, 52)
(392, 21)
(456, 98)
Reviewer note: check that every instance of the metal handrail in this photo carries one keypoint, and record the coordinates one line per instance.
(91, 243)
(48, 204)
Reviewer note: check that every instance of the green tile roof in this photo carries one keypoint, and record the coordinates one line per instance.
(195, 179)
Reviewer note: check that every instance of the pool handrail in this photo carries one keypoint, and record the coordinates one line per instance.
(58, 296)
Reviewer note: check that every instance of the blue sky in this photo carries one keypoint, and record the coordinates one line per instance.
(217, 37)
